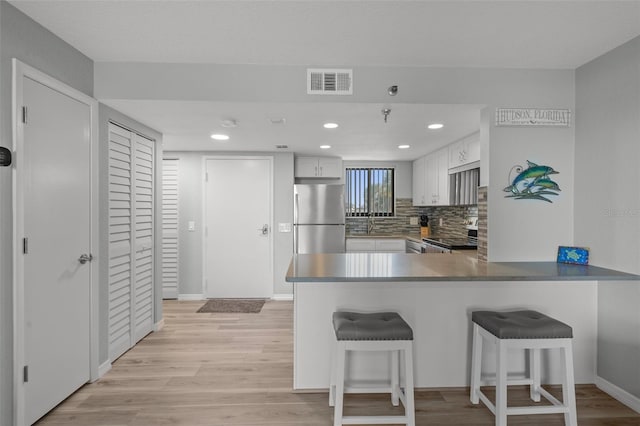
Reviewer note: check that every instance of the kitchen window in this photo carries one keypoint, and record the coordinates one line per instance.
(370, 191)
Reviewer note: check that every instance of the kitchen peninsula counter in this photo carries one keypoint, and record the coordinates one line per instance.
(354, 267)
(435, 294)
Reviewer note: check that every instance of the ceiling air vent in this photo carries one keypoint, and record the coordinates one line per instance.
(329, 81)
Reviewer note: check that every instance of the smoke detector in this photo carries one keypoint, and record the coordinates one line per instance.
(229, 123)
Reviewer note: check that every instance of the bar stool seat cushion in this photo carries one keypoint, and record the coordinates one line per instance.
(521, 325)
(371, 326)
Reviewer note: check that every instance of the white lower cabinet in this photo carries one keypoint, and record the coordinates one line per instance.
(360, 245)
(375, 245)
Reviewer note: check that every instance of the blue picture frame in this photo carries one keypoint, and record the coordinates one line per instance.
(575, 255)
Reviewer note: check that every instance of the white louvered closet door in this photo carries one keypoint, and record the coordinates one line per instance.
(143, 236)
(170, 176)
(120, 235)
(130, 275)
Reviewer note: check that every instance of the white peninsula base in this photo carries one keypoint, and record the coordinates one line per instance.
(439, 313)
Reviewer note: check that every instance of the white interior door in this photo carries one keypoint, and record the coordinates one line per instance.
(57, 228)
(238, 248)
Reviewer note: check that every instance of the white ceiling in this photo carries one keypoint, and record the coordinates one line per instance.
(503, 34)
(362, 135)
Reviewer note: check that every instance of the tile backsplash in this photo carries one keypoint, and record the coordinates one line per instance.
(452, 220)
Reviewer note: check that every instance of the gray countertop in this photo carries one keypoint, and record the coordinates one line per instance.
(359, 267)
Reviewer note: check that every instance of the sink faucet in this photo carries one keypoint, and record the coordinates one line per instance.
(370, 223)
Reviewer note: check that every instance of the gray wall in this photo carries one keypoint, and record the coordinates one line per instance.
(548, 225)
(607, 201)
(107, 114)
(190, 209)
(23, 38)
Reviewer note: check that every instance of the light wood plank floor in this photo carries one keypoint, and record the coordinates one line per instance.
(236, 369)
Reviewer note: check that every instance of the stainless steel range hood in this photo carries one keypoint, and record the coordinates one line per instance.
(463, 186)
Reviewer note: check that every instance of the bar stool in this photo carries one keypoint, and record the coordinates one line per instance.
(524, 330)
(380, 331)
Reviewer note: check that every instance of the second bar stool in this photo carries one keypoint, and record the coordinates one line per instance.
(380, 331)
(523, 330)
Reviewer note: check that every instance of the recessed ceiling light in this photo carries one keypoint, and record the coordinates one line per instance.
(325, 146)
(219, 137)
(404, 146)
(435, 126)
(330, 125)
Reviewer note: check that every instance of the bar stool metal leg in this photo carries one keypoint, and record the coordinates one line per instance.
(568, 389)
(534, 373)
(332, 379)
(409, 403)
(339, 375)
(501, 384)
(476, 363)
(395, 378)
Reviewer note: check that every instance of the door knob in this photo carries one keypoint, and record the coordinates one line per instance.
(264, 229)
(84, 258)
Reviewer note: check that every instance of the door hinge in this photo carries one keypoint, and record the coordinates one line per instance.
(206, 177)
(25, 245)
(25, 373)
(24, 114)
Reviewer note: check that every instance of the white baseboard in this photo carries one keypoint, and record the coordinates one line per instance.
(621, 395)
(191, 296)
(282, 297)
(159, 325)
(104, 368)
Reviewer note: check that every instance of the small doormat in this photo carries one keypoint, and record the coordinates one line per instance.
(241, 306)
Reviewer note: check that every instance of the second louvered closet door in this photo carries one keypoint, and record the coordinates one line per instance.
(131, 239)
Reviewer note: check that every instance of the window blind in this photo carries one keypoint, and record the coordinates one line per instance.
(370, 191)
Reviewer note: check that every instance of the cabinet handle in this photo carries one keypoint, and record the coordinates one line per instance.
(316, 173)
(320, 171)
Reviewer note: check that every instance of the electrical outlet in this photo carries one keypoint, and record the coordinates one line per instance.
(440, 222)
(413, 221)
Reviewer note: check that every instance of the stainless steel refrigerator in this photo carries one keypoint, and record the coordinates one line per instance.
(318, 218)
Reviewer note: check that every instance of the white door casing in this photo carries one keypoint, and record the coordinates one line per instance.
(238, 259)
(55, 210)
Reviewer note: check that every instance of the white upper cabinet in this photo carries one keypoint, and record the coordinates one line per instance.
(431, 179)
(419, 179)
(465, 151)
(442, 195)
(318, 167)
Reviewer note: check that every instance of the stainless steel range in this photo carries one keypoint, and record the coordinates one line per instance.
(446, 244)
